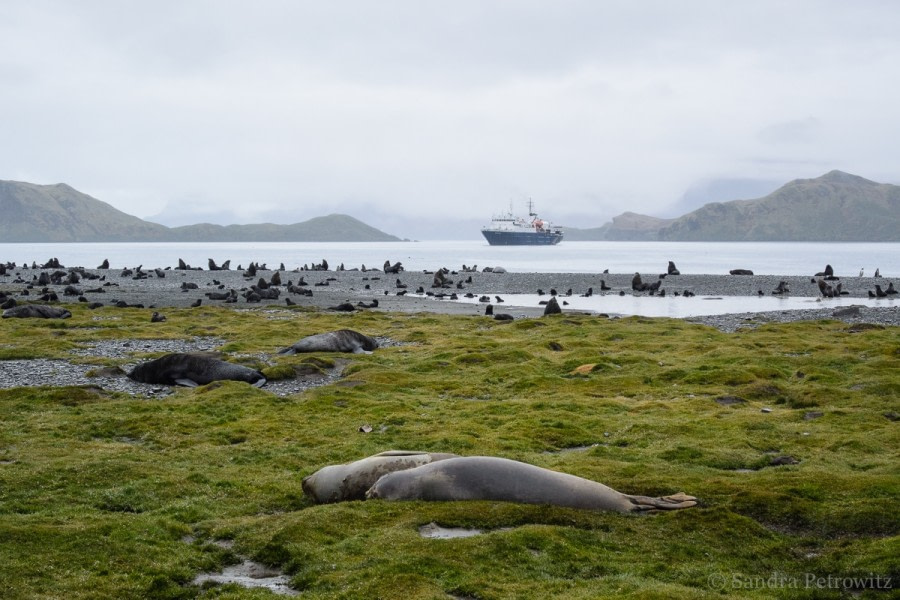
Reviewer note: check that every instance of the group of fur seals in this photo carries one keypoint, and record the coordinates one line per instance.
(193, 369)
(400, 475)
(342, 340)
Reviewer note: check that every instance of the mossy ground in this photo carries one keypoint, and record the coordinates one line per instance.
(98, 490)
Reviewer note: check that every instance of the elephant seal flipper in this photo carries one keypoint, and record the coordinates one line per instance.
(673, 502)
(184, 381)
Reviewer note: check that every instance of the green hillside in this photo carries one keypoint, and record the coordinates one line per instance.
(837, 207)
(59, 213)
(628, 226)
(331, 228)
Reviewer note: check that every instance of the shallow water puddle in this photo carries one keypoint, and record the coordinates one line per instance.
(679, 307)
(250, 574)
(436, 532)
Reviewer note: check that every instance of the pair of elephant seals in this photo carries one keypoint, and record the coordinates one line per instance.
(351, 481)
(500, 479)
(342, 340)
(193, 369)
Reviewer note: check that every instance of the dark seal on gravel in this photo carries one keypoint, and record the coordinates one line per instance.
(192, 370)
(36, 311)
(342, 340)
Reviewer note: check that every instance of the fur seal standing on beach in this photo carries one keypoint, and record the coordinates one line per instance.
(828, 273)
(637, 285)
(501, 479)
(489, 312)
(192, 370)
(351, 481)
(672, 269)
(781, 289)
(342, 340)
(36, 311)
(552, 307)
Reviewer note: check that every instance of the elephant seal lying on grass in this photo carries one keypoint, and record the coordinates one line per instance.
(37, 311)
(491, 478)
(192, 370)
(342, 340)
(339, 483)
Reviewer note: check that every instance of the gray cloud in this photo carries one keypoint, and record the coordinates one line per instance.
(439, 111)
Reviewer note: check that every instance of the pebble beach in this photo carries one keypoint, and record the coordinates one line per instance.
(413, 291)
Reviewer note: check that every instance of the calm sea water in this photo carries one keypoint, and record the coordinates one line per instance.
(767, 258)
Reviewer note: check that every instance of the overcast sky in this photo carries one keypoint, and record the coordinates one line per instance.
(226, 112)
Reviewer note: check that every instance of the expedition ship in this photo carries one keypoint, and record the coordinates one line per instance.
(509, 230)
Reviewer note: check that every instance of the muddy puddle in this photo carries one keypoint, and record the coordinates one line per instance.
(250, 574)
(434, 531)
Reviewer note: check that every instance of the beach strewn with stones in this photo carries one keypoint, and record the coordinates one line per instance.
(415, 291)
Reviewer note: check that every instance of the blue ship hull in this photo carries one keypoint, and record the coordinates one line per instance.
(523, 238)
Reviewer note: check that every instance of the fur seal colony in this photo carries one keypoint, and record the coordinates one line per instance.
(163, 288)
(342, 340)
(191, 370)
(401, 475)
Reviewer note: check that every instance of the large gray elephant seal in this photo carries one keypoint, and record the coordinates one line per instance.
(342, 340)
(192, 370)
(491, 478)
(37, 311)
(339, 483)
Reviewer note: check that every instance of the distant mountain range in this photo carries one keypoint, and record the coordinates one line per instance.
(836, 207)
(59, 213)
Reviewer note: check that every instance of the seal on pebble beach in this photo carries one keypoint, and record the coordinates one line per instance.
(340, 483)
(193, 369)
(342, 340)
(36, 311)
(501, 479)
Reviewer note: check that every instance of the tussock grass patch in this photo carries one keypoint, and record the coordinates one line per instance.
(98, 490)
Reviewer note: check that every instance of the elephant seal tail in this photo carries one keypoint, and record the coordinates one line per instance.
(673, 502)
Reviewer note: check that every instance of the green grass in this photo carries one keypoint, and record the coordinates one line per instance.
(98, 490)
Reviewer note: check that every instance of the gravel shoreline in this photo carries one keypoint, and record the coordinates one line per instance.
(181, 288)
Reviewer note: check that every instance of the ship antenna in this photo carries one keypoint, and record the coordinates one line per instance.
(531, 212)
